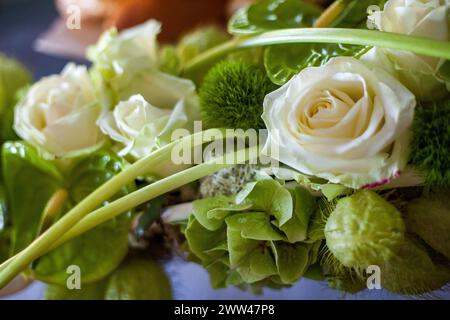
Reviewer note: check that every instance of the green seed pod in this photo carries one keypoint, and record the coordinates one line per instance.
(347, 283)
(411, 271)
(364, 230)
(341, 278)
(429, 218)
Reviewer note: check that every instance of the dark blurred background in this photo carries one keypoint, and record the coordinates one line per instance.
(21, 22)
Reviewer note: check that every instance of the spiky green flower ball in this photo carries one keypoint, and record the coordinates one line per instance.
(431, 142)
(232, 96)
(364, 230)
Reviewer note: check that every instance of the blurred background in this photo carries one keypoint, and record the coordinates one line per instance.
(35, 32)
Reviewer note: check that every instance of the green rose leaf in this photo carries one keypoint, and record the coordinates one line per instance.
(254, 226)
(30, 181)
(292, 260)
(100, 250)
(139, 279)
(266, 15)
(90, 291)
(284, 61)
(355, 13)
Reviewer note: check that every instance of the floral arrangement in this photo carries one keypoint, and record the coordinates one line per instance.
(336, 123)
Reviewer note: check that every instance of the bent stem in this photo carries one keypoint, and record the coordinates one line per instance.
(47, 240)
(418, 45)
(152, 191)
(111, 187)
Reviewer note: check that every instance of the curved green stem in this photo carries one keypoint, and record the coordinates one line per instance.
(122, 205)
(152, 191)
(418, 45)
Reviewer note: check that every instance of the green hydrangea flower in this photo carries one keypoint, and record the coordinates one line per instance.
(255, 237)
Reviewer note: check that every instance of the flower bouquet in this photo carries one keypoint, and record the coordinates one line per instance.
(308, 141)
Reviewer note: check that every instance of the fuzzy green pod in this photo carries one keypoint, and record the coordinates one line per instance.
(429, 218)
(364, 230)
(411, 271)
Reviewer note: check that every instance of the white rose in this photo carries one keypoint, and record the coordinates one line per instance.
(126, 64)
(422, 18)
(141, 127)
(59, 114)
(342, 122)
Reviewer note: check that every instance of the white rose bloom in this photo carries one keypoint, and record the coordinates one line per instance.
(126, 64)
(141, 127)
(422, 18)
(58, 115)
(342, 122)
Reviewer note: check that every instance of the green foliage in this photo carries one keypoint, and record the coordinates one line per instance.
(198, 41)
(13, 76)
(411, 271)
(134, 279)
(90, 291)
(232, 96)
(284, 61)
(31, 181)
(174, 57)
(431, 142)
(429, 218)
(355, 13)
(169, 61)
(138, 279)
(253, 237)
(444, 73)
(5, 236)
(3, 208)
(100, 250)
(266, 15)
